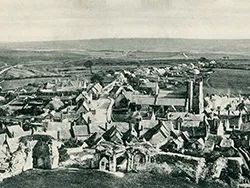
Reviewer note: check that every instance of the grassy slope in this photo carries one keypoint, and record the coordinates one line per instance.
(92, 178)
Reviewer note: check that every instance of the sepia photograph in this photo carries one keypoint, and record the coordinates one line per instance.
(124, 93)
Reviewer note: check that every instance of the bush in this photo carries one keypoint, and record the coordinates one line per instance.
(72, 143)
(63, 155)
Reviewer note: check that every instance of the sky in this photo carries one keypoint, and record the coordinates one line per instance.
(45, 20)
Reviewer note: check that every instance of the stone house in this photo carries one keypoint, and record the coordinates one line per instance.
(198, 144)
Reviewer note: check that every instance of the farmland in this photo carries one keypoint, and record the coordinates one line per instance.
(66, 58)
(225, 81)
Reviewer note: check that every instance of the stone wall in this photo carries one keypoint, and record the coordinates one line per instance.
(192, 167)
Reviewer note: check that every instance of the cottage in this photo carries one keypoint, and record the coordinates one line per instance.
(176, 103)
(122, 100)
(113, 135)
(232, 122)
(83, 96)
(135, 117)
(94, 91)
(174, 144)
(55, 104)
(142, 101)
(62, 129)
(57, 116)
(85, 119)
(209, 144)
(198, 144)
(151, 88)
(93, 140)
(12, 144)
(121, 126)
(226, 143)
(83, 108)
(130, 136)
(3, 138)
(159, 134)
(185, 136)
(15, 131)
(144, 125)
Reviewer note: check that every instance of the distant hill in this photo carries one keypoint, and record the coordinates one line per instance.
(141, 44)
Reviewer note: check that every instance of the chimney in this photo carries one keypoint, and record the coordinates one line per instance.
(240, 121)
(106, 126)
(88, 127)
(130, 126)
(21, 124)
(190, 89)
(159, 121)
(218, 109)
(201, 97)
(139, 128)
(89, 121)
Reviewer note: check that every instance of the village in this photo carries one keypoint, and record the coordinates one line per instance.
(128, 121)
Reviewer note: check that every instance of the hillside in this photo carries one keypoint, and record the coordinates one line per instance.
(143, 44)
(90, 178)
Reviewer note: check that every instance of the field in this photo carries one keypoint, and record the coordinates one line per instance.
(92, 178)
(225, 81)
(68, 57)
(143, 44)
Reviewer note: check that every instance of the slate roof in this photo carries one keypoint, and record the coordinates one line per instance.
(191, 123)
(149, 85)
(16, 130)
(62, 127)
(121, 126)
(83, 107)
(2, 138)
(13, 144)
(113, 135)
(80, 130)
(97, 127)
(185, 116)
(163, 127)
(171, 101)
(148, 124)
(56, 103)
(143, 99)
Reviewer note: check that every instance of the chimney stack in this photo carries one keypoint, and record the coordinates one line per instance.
(201, 97)
(190, 89)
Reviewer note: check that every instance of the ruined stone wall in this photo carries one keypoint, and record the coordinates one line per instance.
(191, 166)
(22, 159)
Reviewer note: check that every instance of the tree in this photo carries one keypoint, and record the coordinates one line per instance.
(202, 59)
(63, 155)
(89, 64)
(97, 78)
(241, 106)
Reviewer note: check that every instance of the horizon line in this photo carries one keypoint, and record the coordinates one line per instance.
(120, 38)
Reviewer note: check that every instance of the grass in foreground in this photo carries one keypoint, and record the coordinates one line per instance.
(91, 178)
